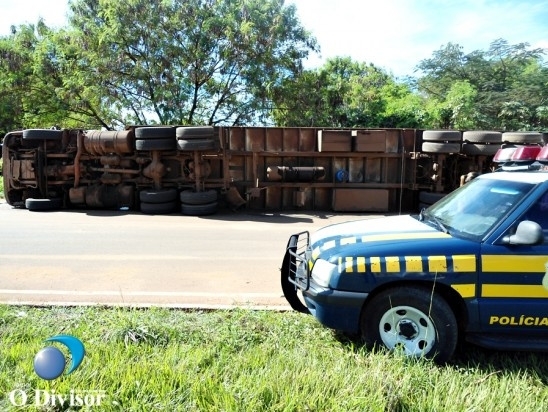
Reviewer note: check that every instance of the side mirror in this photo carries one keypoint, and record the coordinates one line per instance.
(527, 233)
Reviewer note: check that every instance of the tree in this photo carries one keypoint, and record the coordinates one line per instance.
(35, 86)
(344, 93)
(403, 108)
(456, 111)
(16, 68)
(503, 88)
(185, 61)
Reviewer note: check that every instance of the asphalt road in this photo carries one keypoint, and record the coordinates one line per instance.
(126, 258)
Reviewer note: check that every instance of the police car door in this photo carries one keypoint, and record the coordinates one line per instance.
(513, 280)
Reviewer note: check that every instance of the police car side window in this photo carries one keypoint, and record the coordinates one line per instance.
(539, 213)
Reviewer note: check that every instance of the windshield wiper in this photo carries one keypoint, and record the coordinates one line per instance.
(440, 224)
(424, 215)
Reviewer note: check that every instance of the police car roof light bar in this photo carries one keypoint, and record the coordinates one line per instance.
(520, 158)
(504, 154)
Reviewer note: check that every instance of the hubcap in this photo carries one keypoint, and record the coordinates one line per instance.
(407, 328)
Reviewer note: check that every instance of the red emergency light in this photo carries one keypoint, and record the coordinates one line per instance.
(543, 155)
(525, 154)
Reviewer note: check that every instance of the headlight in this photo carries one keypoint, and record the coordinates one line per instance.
(322, 272)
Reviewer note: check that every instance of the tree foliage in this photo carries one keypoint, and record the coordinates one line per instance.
(188, 62)
(169, 62)
(15, 68)
(344, 93)
(37, 85)
(501, 88)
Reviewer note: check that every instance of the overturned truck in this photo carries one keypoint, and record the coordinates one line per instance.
(195, 170)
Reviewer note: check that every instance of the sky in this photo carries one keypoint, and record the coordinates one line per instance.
(392, 34)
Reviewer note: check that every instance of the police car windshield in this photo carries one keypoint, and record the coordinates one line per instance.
(474, 209)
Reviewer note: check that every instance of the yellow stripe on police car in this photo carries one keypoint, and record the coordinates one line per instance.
(513, 263)
(408, 264)
(513, 291)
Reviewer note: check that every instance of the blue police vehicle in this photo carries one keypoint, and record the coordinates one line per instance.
(473, 266)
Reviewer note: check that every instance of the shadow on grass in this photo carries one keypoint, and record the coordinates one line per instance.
(493, 361)
(471, 357)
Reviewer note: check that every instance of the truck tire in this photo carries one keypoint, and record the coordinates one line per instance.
(522, 137)
(42, 134)
(43, 204)
(477, 149)
(194, 132)
(191, 197)
(159, 208)
(199, 210)
(430, 198)
(152, 132)
(435, 147)
(413, 319)
(442, 136)
(158, 196)
(482, 136)
(155, 144)
(195, 144)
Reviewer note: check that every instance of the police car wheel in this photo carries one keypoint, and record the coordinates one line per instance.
(413, 320)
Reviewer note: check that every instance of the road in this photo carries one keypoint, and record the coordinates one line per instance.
(89, 257)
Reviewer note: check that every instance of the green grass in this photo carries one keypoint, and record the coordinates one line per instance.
(243, 360)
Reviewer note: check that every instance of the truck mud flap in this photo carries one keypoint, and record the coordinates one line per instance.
(288, 288)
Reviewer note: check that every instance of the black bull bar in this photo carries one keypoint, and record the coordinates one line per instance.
(292, 257)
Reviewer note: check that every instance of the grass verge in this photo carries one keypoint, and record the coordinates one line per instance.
(243, 360)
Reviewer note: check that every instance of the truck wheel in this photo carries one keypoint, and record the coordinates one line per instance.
(194, 132)
(160, 132)
(412, 319)
(522, 137)
(476, 149)
(482, 136)
(196, 144)
(155, 144)
(199, 210)
(158, 208)
(434, 147)
(158, 196)
(42, 134)
(190, 197)
(43, 204)
(442, 136)
(430, 198)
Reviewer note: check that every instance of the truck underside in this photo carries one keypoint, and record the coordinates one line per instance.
(197, 169)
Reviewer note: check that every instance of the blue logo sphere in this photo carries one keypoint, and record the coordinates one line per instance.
(49, 363)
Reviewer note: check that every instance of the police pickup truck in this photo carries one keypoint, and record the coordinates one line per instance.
(473, 266)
